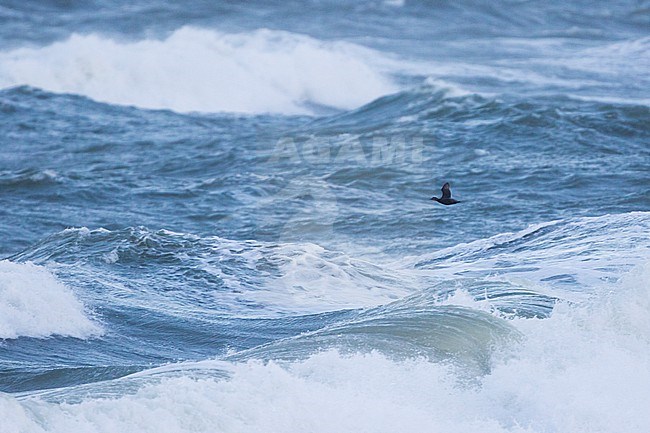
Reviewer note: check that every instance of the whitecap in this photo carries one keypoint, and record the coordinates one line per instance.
(263, 71)
(33, 303)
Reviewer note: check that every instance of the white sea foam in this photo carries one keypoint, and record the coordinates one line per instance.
(395, 3)
(305, 278)
(630, 56)
(594, 73)
(585, 369)
(310, 280)
(33, 303)
(582, 249)
(204, 70)
(316, 280)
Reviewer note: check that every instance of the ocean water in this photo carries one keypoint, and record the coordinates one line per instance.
(215, 216)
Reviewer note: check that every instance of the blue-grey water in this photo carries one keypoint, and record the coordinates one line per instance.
(216, 216)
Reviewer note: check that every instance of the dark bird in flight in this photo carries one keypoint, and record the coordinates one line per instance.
(446, 196)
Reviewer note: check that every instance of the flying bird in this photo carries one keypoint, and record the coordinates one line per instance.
(446, 196)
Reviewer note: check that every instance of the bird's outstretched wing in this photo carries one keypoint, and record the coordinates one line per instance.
(446, 191)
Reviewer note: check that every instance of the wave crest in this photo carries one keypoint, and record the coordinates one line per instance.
(263, 71)
(33, 303)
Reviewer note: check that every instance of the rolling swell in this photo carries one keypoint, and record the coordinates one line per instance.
(392, 382)
(456, 306)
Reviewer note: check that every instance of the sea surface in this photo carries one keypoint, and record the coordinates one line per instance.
(215, 216)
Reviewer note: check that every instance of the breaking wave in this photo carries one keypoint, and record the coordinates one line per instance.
(194, 69)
